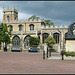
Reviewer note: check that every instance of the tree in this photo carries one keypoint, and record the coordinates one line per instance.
(4, 34)
(34, 41)
(34, 17)
(50, 41)
(49, 22)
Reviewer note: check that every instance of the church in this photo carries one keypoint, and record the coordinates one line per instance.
(22, 30)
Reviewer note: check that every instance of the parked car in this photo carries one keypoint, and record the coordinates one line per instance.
(33, 49)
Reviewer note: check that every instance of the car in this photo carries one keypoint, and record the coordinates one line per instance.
(33, 49)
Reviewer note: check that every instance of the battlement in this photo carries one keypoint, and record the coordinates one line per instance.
(25, 21)
(34, 20)
(8, 10)
(61, 26)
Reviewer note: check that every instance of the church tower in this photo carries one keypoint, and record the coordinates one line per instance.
(10, 15)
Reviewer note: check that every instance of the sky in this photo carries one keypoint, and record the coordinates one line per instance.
(59, 12)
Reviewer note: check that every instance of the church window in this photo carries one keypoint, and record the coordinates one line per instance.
(20, 27)
(31, 27)
(56, 37)
(44, 36)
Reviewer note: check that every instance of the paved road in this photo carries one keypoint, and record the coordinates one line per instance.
(32, 63)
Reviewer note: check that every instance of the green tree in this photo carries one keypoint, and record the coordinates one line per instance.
(49, 22)
(33, 17)
(5, 34)
(34, 41)
(50, 41)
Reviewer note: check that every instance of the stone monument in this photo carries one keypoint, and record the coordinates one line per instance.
(70, 38)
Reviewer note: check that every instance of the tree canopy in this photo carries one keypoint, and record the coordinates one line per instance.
(33, 17)
(4, 34)
(50, 41)
(47, 22)
(34, 41)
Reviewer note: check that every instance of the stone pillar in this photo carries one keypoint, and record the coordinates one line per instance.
(62, 40)
(41, 41)
(2, 47)
(10, 46)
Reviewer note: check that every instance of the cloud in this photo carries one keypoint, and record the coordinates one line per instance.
(60, 12)
(23, 16)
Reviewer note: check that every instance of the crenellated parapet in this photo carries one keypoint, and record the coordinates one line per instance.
(53, 27)
(26, 21)
(34, 20)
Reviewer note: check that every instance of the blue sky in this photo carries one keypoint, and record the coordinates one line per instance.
(60, 12)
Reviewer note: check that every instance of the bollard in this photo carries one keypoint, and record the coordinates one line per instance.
(43, 54)
(62, 57)
(47, 52)
(62, 53)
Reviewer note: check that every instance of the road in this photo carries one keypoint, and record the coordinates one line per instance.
(33, 63)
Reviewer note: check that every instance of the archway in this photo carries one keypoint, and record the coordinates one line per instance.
(16, 43)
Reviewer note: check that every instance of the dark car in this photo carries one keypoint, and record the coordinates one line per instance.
(33, 50)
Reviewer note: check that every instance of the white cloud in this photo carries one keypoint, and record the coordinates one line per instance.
(23, 16)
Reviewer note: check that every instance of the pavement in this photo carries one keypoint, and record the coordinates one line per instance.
(57, 56)
(33, 63)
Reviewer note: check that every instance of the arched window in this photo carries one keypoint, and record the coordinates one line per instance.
(44, 36)
(8, 19)
(26, 41)
(31, 27)
(10, 28)
(20, 27)
(16, 42)
(56, 37)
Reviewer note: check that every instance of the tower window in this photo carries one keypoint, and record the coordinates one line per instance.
(8, 19)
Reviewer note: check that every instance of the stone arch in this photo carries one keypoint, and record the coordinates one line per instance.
(26, 41)
(44, 36)
(56, 37)
(16, 41)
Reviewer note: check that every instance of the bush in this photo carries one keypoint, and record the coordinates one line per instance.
(34, 41)
(68, 53)
(50, 41)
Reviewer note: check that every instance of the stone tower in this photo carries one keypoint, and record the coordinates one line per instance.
(10, 15)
